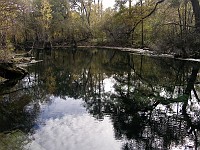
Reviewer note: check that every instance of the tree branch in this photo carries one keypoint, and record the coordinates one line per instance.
(154, 9)
(196, 95)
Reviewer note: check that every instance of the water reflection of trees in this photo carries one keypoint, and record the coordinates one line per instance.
(154, 103)
(155, 100)
(18, 112)
(19, 105)
(156, 110)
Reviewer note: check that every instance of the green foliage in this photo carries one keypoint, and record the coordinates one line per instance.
(46, 13)
(13, 140)
(86, 22)
(175, 3)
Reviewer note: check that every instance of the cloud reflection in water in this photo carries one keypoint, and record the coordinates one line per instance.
(65, 125)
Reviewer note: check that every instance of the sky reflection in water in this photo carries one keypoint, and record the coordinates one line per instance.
(65, 124)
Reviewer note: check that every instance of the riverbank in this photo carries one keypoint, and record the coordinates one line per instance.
(145, 51)
(12, 66)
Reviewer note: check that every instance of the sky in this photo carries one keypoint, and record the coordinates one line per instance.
(108, 3)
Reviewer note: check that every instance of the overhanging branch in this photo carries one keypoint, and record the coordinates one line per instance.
(154, 9)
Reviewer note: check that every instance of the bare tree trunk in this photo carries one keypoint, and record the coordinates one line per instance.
(142, 28)
(196, 10)
(130, 6)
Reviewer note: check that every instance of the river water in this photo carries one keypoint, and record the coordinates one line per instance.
(98, 99)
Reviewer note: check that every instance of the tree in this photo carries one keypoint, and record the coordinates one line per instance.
(196, 10)
(60, 21)
(46, 20)
(8, 15)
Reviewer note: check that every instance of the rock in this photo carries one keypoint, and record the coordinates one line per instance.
(11, 71)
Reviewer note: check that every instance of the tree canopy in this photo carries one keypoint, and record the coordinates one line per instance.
(170, 25)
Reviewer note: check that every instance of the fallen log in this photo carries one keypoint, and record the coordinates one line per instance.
(11, 71)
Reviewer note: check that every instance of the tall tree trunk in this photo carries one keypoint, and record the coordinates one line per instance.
(129, 7)
(196, 10)
(142, 27)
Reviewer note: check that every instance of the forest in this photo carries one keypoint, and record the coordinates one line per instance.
(164, 26)
(75, 74)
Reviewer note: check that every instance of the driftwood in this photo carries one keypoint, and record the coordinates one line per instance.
(11, 71)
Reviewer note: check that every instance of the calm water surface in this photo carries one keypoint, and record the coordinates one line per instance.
(95, 99)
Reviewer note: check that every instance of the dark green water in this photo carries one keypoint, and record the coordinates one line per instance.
(102, 100)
